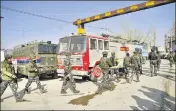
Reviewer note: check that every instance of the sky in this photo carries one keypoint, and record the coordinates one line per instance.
(18, 28)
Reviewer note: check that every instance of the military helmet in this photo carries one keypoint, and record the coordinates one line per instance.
(31, 57)
(127, 54)
(105, 53)
(112, 53)
(67, 54)
(8, 57)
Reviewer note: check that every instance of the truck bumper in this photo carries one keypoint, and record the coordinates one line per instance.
(74, 72)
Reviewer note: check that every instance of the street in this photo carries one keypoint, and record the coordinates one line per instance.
(151, 93)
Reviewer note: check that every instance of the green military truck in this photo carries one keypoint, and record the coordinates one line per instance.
(46, 58)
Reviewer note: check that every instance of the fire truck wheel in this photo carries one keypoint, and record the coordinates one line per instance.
(85, 78)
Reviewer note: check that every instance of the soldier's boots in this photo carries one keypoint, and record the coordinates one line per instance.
(20, 100)
(27, 91)
(138, 80)
(76, 91)
(63, 91)
(42, 90)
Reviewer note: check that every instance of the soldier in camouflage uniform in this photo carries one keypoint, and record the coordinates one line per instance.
(135, 64)
(140, 60)
(114, 62)
(105, 65)
(9, 78)
(33, 72)
(153, 62)
(68, 77)
(126, 64)
(158, 60)
(171, 58)
(113, 59)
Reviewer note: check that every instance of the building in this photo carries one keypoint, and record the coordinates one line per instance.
(170, 39)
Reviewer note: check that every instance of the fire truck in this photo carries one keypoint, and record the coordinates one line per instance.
(46, 58)
(87, 51)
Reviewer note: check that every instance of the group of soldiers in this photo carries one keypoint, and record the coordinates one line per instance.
(9, 77)
(134, 63)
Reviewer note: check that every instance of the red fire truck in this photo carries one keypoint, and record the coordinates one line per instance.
(87, 50)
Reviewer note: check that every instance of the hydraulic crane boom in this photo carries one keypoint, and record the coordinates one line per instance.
(146, 5)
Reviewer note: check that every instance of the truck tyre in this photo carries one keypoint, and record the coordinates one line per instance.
(85, 78)
(96, 74)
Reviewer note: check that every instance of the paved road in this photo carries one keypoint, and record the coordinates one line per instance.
(156, 92)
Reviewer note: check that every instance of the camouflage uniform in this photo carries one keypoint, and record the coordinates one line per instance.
(33, 76)
(158, 60)
(68, 77)
(171, 58)
(135, 64)
(105, 64)
(8, 78)
(114, 62)
(153, 62)
(126, 64)
(140, 60)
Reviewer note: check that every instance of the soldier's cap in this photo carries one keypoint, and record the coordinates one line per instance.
(67, 54)
(104, 52)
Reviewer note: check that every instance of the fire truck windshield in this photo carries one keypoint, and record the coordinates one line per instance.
(78, 44)
(47, 49)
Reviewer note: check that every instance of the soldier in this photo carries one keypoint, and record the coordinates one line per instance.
(9, 78)
(135, 64)
(68, 77)
(33, 75)
(158, 60)
(171, 58)
(114, 62)
(175, 57)
(113, 59)
(126, 64)
(105, 64)
(153, 62)
(140, 60)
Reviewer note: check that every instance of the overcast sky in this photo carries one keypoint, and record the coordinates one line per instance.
(35, 28)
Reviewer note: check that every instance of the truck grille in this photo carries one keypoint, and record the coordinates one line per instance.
(51, 61)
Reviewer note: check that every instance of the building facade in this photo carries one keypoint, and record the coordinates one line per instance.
(170, 39)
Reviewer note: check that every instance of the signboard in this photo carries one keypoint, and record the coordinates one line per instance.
(124, 48)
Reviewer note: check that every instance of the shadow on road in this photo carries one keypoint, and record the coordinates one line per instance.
(144, 104)
(170, 77)
(161, 100)
(171, 72)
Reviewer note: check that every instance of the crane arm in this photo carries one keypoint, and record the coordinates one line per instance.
(146, 5)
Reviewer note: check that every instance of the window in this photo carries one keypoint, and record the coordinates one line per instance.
(93, 43)
(106, 45)
(100, 44)
(78, 44)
